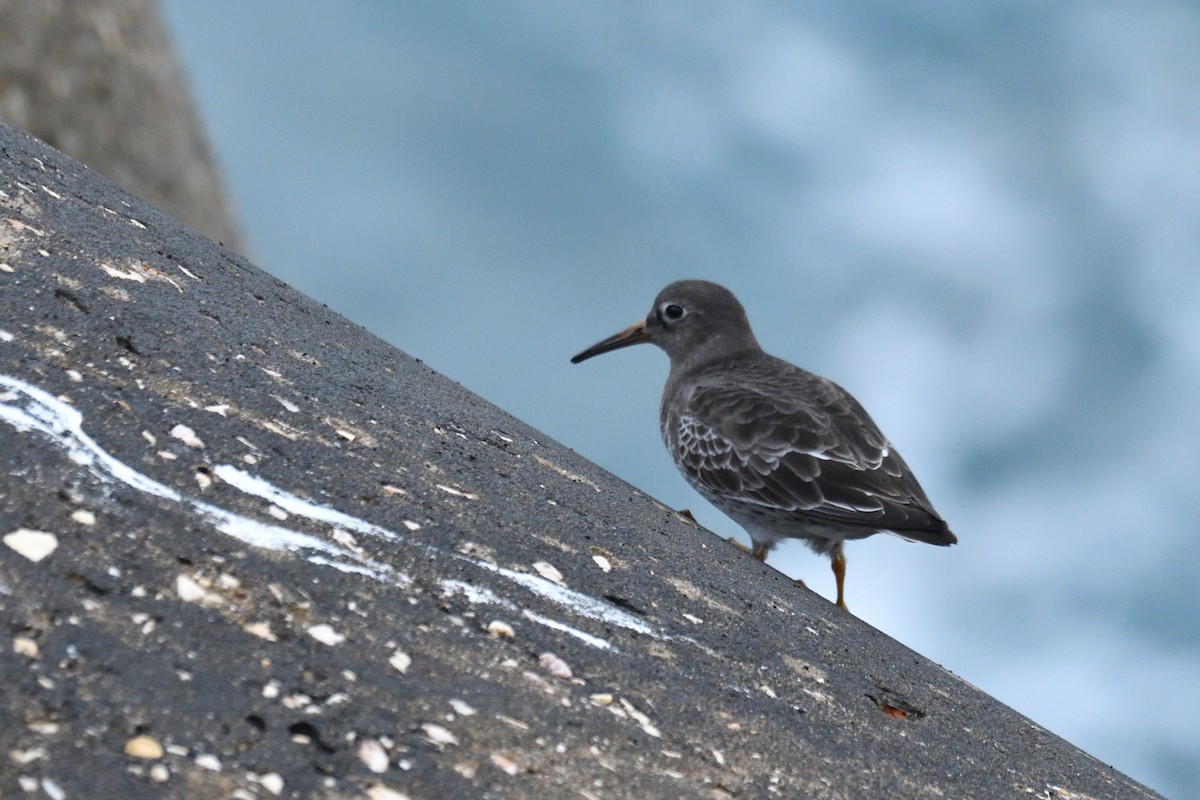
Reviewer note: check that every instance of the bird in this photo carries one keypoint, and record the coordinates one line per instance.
(782, 451)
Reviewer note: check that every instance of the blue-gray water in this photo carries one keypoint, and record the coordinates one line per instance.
(981, 218)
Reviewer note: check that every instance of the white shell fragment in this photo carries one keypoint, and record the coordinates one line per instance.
(208, 761)
(504, 764)
(260, 629)
(272, 782)
(34, 545)
(555, 666)
(186, 435)
(188, 590)
(24, 646)
(371, 753)
(603, 563)
(288, 404)
(548, 571)
(297, 700)
(380, 792)
(439, 735)
(462, 708)
(325, 634)
(144, 747)
(641, 719)
(498, 628)
(83, 516)
(400, 661)
(24, 757)
(457, 492)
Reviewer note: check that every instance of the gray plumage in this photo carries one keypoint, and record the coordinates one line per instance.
(785, 453)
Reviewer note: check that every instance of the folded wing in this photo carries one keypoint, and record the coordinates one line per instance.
(808, 447)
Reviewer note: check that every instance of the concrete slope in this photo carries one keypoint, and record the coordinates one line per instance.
(250, 550)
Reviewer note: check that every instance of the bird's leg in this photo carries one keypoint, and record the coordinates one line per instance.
(733, 541)
(839, 572)
(759, 550)
(756, 549)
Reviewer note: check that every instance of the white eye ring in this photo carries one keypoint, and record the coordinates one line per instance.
(671, 312)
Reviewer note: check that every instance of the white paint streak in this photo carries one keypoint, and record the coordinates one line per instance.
(594, 641)
(473, 593)
(38, 412)
(256, 486)
(582, 604)
(30, 409)
(481, 596)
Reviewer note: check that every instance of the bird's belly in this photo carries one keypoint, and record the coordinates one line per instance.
(768, 525)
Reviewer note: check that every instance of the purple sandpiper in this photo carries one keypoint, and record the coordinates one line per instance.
(783, 452)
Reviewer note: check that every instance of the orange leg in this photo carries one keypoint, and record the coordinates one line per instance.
(738, 544)
(757, 550)
(839, 572)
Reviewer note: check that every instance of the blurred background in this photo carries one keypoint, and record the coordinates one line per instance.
(981, 218)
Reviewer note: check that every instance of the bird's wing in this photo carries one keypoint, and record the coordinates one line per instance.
(805, 445)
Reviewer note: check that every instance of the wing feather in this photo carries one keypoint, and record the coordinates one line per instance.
(792, 441)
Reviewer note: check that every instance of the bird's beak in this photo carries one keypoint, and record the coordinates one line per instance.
(634, 334)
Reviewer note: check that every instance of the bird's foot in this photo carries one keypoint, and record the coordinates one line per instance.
(757, 550)
(733, 541)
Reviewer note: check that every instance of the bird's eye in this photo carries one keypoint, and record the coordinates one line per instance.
(672, 312)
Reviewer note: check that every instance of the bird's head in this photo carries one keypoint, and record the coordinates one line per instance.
(693, 321)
